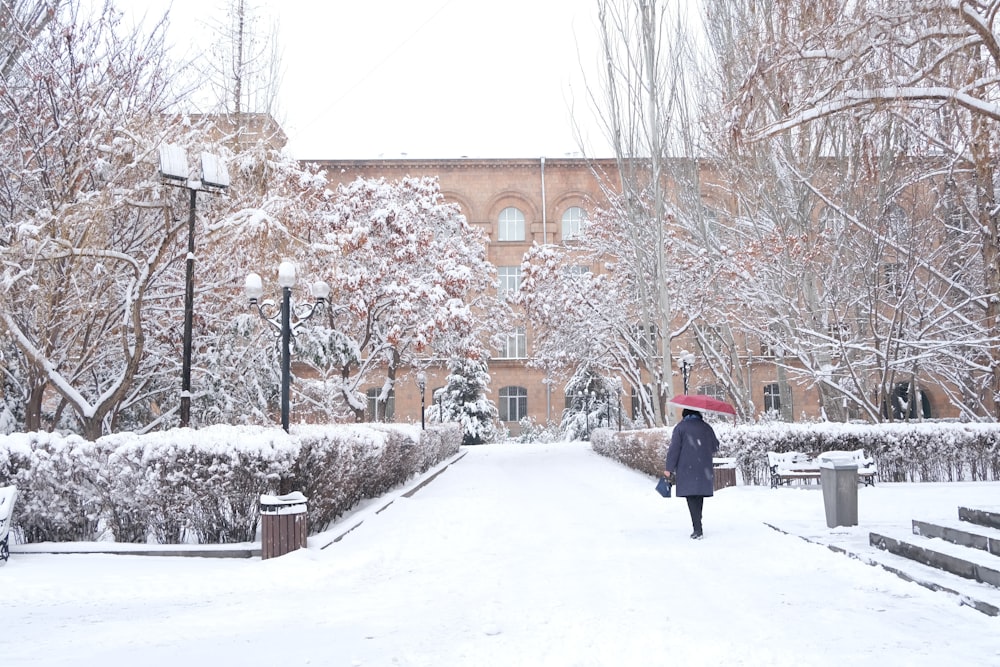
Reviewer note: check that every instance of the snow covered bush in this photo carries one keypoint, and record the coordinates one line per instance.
(645, 451)
(529, 431)
(184, 485)
(437, 443)
(338, 470)
(214, 477)
(903, 452)
(56, 481)
(920, 452)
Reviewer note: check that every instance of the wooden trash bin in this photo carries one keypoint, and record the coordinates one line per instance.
(282, 524)
(725, 472)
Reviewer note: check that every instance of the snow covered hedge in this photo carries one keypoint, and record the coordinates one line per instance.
(903, 452)
(645, 450)
(205, 485)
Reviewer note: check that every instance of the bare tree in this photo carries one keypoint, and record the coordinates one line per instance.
(932, 64)
(21, 22)
(244, 71)
(645, 104)
(85, 238)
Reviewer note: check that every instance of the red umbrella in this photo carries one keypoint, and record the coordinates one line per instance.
(703, 403)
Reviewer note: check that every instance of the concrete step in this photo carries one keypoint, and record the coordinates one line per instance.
(962, 561)
(990, 518)
(962, 534)
(981, 597)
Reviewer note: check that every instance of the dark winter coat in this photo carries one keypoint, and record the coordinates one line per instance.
(689, 458)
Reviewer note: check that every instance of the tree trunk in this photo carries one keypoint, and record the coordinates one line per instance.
(33, 406)
(988, 223)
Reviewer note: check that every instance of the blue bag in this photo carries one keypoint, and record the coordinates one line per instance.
(663, 486)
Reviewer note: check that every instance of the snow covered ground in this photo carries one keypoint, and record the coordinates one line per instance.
(519, 555)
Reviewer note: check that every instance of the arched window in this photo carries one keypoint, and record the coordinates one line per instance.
(905, 406)
(381, 410)
(510, 225)
(572, 223)
(513, 404)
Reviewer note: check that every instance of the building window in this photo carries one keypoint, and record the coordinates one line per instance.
(772, 345)
(509, 280)
(577, 270)
(892, 278)
(381, 410)
(714, 390)
(832, 222)
(772, 398)
(516, 345)
(646, 339)
(510, 225)
(572, 223)
(636, 403)
(905, 405)
(513, 404)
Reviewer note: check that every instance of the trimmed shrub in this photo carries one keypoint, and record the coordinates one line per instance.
(185, 485)
(904, 452)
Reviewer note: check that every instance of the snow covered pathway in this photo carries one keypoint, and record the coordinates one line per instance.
(515, 555)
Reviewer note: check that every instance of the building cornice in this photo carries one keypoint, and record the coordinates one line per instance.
(457, 163)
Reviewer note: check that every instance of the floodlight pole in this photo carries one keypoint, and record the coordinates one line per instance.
(188, 314)
(174, 170)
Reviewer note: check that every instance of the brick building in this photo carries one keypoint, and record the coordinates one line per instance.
(518, 202)
(515, 203)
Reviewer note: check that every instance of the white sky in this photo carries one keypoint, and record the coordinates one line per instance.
(425, 78)
(539, 554)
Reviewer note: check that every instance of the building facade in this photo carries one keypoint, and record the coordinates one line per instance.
(520, 202)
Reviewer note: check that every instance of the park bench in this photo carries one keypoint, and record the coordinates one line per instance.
(866, 465)
(8, 494)
(787, 467)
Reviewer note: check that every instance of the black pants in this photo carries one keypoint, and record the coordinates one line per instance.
(695, 504)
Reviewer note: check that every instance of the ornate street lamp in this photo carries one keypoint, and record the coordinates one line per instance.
(214, 178)
(422, 383)
(282, 320)
(687, 361)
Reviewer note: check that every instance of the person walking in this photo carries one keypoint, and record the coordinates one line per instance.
(689, 464)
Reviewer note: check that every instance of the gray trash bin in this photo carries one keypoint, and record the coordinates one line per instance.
(839, 478)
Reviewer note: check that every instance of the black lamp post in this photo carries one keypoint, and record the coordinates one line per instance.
(422, 383)
(687, 361)
(619, 398)
(254, 289)
(174, 169)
